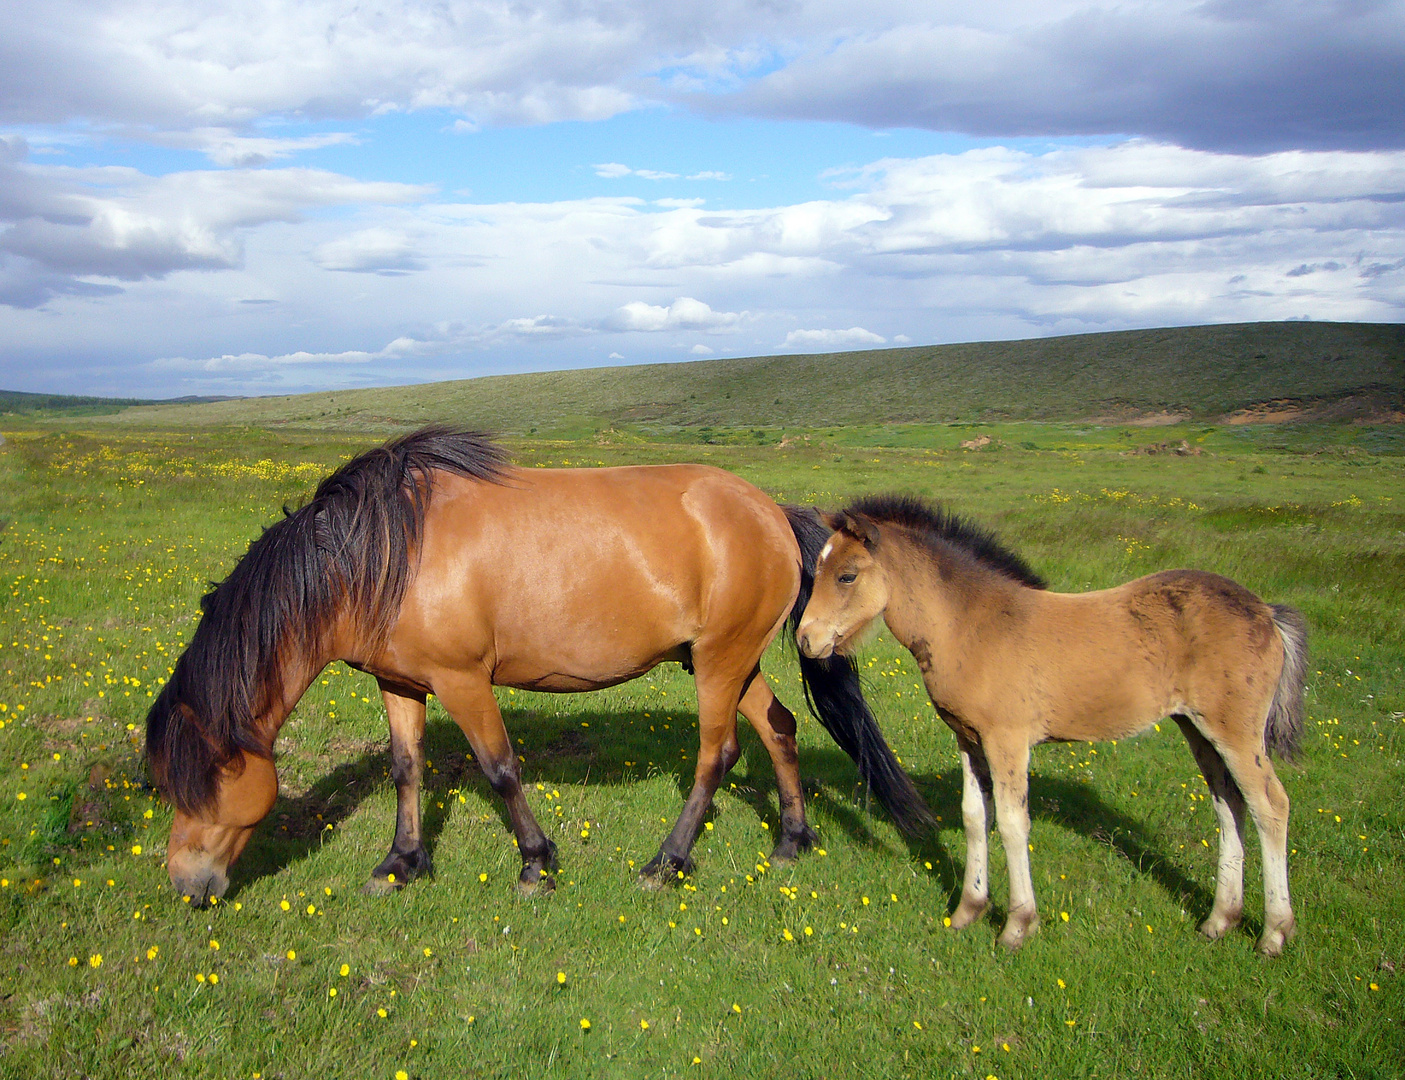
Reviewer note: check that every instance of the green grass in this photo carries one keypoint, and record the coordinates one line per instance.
(1202, 372)
(110, 536)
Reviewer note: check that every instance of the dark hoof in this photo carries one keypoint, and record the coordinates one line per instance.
(789, 846)
(664, 870)
(397, 870)
(535, 883)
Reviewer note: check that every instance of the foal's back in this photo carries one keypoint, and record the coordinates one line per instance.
(1115, 661)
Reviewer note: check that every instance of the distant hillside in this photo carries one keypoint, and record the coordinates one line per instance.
(20, 403)
(1319, 370)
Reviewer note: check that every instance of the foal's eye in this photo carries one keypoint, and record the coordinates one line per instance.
(848, 579)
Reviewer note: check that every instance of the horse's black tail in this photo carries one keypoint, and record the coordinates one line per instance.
(835, 696)
(1284, 725)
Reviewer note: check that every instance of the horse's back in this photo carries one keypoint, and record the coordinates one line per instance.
(568, 578)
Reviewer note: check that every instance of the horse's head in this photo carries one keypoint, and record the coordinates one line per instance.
(850, 590)
(219, 789)
(203, 845)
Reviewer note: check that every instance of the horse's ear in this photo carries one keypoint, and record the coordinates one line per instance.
(833, 521)
(858, 526)
(322, 532)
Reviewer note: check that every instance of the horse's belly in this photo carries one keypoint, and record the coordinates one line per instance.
(573, 673)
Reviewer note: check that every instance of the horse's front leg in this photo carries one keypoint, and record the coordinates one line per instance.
(1009, 772)
(975, 786)
(718, 751)
(408, 859)
(471, 703)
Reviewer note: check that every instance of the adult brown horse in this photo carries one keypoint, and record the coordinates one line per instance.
(435, 566)
(1009, 665)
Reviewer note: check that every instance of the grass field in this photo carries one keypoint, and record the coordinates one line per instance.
(836, 966)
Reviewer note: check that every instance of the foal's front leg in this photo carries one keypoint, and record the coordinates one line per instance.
(975, 785)
(408, 859)
(1009, 772)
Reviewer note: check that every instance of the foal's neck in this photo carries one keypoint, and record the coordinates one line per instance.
(940, 595)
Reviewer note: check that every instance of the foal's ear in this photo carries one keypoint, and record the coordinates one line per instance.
(858, 526)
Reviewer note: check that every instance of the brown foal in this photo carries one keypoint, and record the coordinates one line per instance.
(1009, 665)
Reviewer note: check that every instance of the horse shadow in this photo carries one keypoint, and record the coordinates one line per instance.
(619, 748)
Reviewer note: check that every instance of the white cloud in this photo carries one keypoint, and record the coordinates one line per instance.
(232, 149)
(684, 313)
(613, 170)
(700, 350)
(990, 243)
(121, 224)
(852, 338)
(378, 251)
(1268, 74)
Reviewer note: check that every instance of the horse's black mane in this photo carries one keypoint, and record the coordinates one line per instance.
(936, 525)
(350, 550)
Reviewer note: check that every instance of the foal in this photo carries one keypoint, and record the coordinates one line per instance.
(1009, 665)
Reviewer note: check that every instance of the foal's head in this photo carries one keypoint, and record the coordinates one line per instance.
(851, 589)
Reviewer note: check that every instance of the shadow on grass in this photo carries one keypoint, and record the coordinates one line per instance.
(624, 748)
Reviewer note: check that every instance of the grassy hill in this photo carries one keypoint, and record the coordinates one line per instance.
(1334, 369)
(19, 403)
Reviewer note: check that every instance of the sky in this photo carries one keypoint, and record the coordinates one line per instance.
(267, 196)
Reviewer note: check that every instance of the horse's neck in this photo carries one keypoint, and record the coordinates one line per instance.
(297, 675)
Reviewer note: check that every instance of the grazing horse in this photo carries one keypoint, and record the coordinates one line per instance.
(439, 568)
(1009, 665)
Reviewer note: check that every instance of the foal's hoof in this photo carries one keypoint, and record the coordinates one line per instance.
(967, 912)
(1018, 929)
(1275, 937)
(1219, 924)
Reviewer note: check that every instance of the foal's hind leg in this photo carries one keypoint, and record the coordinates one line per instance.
(1268, 806)
(471, 703)
(1229, 809)
(776, 726)
(408, 858)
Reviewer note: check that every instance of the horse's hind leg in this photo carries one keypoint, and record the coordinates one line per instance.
(718, 699)
(472, 705)
(408, 858)
(1229, 809)
(776, 726)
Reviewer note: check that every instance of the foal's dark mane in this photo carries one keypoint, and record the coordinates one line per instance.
(936, 526)
(350, 551)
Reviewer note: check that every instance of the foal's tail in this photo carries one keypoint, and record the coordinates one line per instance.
(835, 696)
(1284, 726)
